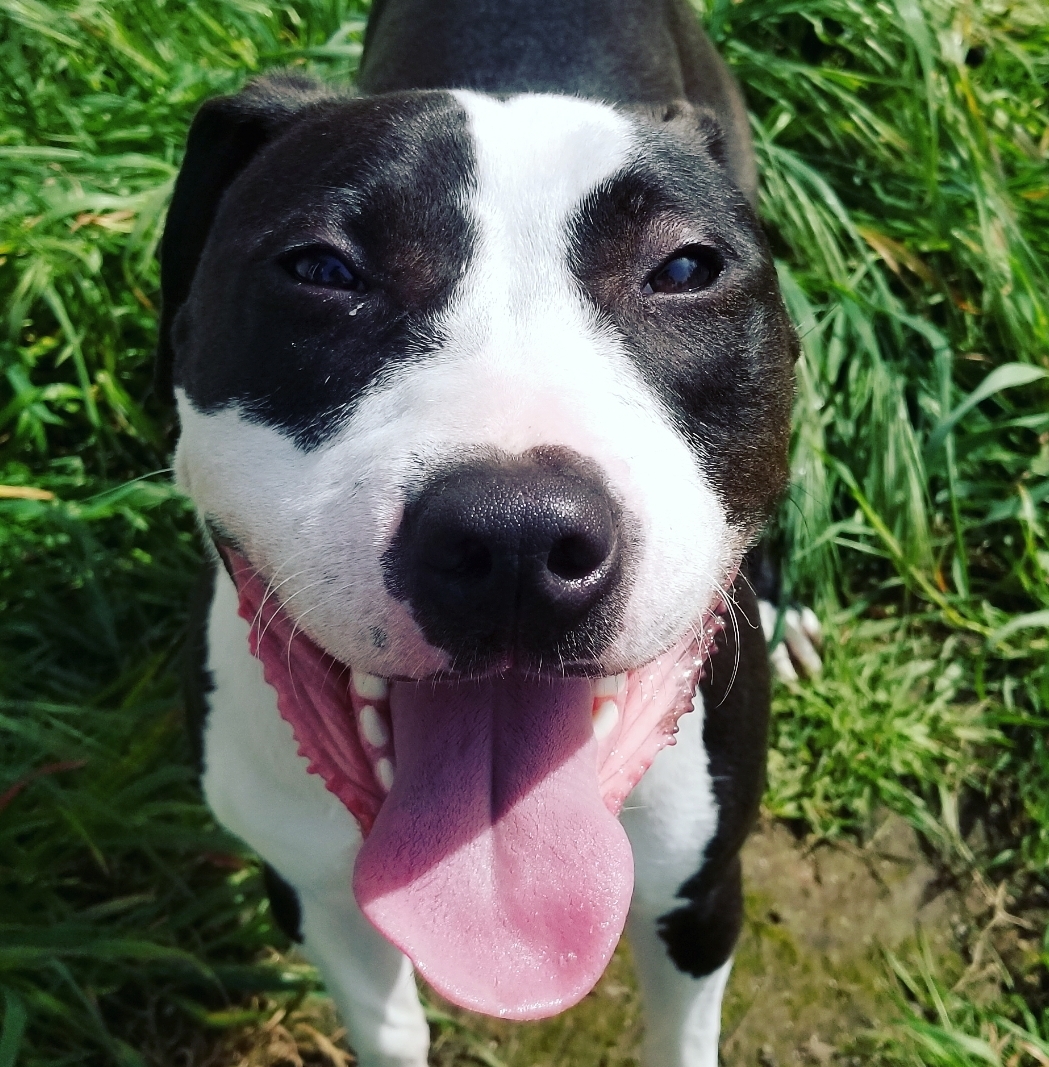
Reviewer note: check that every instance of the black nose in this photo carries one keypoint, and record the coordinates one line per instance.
(520, 556)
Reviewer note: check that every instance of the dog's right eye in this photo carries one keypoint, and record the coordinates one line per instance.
(687, 271)
(324, 268)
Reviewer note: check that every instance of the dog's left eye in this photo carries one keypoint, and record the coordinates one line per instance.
(320, 266)
(687, 271)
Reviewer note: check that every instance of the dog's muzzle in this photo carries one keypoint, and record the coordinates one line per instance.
(488, 794)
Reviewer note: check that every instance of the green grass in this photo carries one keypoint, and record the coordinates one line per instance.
(126, 918)
(906, 191)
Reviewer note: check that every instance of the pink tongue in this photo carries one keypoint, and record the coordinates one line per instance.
(493, 863)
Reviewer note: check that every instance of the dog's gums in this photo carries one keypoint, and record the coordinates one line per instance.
(495, 861)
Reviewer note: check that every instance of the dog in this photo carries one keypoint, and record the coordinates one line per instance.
(484, 379)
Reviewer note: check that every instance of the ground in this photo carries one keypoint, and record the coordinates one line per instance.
(811, 973)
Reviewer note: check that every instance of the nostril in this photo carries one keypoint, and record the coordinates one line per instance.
(574, 557)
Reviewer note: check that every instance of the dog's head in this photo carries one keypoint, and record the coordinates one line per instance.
(482, 399)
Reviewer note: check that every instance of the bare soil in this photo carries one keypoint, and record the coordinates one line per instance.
(810, 973)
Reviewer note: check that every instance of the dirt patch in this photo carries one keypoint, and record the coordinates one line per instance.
(810, 970)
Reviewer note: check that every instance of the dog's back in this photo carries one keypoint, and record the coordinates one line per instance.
(618, 51)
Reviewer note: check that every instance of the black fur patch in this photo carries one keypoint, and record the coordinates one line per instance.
(378, 181)
(721, 358)
(701, 933)
(226, 133)
(591, 48)
(284, 904)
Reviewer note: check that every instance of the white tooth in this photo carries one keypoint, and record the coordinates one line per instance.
(373, 728)
(605, 719)
(370, 686)
(384, 772)
(606, 687)
(620, 682)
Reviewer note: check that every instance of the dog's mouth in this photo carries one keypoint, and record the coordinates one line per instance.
(493, 857)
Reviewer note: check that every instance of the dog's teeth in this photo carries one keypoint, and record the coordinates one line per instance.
(373, 729)
(605, 687)
(610, 686)
(371, 686)
(605, 719)
(384, 772)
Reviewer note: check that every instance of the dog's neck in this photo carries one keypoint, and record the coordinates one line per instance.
(615, 50)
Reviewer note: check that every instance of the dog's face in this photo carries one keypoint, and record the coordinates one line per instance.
(396, 291)
(485, 389)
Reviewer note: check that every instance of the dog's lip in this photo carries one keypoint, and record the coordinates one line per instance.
(593, 671)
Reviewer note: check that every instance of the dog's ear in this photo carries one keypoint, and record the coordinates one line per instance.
(701, 125)
(225, 134)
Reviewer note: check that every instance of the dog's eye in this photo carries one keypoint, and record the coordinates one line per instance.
(687, 271)
(320, 266)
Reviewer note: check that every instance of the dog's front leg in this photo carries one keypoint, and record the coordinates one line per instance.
(682, 1012)
(258, 787)
(682, 947)
(369, 980)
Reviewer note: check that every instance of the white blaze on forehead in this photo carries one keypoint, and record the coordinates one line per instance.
(537, 158)
(529, 361)
(519, 335)
(525, 361)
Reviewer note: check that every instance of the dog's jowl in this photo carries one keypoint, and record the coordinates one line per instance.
(483, 380)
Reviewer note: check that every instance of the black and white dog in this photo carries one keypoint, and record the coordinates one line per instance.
(484, 382)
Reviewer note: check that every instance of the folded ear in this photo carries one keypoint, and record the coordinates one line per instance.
(225, 134)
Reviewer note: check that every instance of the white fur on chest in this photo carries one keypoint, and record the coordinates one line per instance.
(254, 780)
(671, 817)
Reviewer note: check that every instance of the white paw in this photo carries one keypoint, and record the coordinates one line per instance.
(798, 652)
